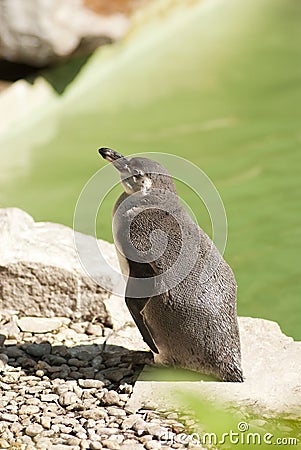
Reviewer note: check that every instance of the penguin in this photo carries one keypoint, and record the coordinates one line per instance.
(180, 291)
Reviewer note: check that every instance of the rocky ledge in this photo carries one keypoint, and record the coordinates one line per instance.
(41, 274)
(271, 363)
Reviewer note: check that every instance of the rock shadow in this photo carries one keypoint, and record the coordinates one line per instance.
(112, 364)
(109, 363)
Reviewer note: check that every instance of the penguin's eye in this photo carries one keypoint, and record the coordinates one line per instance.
(137, 173)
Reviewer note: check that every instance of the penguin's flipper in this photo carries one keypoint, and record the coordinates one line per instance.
(136, 306)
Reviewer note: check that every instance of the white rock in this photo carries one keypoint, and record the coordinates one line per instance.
(41, 273)
(10, 329)
(89, 383)
(39, 324)
(110, 398)
(131, 444)
(272, 368)
(39, 32)
(68, 398)
(153, 445)
(7, 417)
(156, 430)
(127, 336)
(118, 310)
(33, 429)
(49, 398)
(109, 444)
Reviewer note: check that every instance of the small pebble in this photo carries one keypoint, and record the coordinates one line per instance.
(90, 383)
(97, 362)
(129, 421)
(68, 398)
(116, 375)
(111, 398)
(49, 397)
(85, 355)
(105, 431)
(97, 414)
(153, 445)
(29, 410)
(78, 327)
(94, 329)
(96, 445)
(75, 362)
(9, 417)
(84, 444)
(116, 412)
(46, 422)
(75, 375)
(110, 444)
(55, 360)
(139, 426)
(38, 350)
(14, 352)
(172, 415)
(131, 444)
(155, 430)
(73, 441)
(33, 429)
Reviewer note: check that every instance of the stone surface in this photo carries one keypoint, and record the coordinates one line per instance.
(272, 368)
(10, 329)
(41, 274)
(40, 32)
(33, 429)
(128, 335)
(38, 325)
(110, 398)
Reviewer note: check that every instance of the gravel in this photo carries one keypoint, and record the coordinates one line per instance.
(65, 389)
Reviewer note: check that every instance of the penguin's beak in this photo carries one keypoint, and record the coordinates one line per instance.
(119, 161)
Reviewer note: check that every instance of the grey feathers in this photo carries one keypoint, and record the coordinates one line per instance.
(180, 291)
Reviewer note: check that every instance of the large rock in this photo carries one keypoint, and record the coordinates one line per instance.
(272, 368)
(39, 32)
(41, 275)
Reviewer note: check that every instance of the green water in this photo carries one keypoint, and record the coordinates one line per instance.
(219, 85)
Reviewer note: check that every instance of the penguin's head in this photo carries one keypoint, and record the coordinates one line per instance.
(139, 174)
